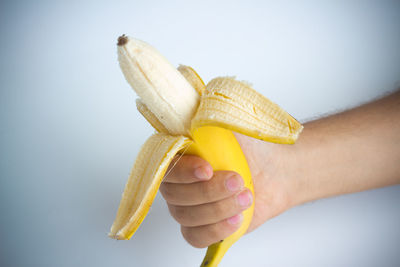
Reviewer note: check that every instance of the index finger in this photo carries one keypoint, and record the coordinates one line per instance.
(188, 169)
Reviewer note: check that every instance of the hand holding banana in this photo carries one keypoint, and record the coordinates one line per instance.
(194, 119)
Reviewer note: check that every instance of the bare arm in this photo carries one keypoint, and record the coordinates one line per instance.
(352, 151)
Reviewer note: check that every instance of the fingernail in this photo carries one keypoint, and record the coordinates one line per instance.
(233, 183)
(235, 219)
(201, 173)
(245, 198)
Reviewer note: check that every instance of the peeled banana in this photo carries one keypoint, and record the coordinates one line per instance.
(191, 118)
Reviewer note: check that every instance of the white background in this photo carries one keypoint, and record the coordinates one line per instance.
(70, 130)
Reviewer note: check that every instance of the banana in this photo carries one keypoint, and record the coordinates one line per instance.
(191, 118)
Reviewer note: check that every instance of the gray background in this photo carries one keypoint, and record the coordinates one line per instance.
(70, 130)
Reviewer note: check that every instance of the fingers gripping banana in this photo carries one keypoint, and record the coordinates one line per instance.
(195, 119)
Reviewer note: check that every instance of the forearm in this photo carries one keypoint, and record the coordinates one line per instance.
(348, 152)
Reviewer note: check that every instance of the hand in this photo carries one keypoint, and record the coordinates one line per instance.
(208, 204)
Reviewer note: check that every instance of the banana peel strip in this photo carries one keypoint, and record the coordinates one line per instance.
(144, 181)
(236, 106)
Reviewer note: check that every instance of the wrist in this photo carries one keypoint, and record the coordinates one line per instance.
(295, 166)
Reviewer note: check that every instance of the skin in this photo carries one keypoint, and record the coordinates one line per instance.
(352, 151)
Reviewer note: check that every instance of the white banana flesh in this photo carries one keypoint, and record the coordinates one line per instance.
(165, 92)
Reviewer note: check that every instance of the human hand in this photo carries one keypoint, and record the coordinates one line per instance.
(208, 204)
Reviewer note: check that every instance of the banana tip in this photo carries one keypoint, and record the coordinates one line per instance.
(122, 40)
